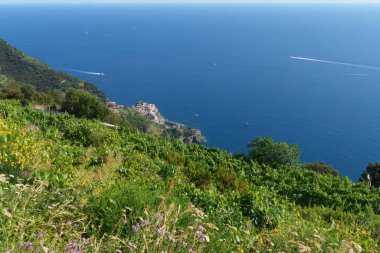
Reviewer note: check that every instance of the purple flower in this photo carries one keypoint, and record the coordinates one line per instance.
(184, 245)
(191, 250)
(159, 232)
(39, 235)
(72, 247)
(69, 223)
(29, 245)
(159, 216)
(25, 173)
(136, 227)
(84, 240)
(145, 223)
(22, 246)
(202, 237)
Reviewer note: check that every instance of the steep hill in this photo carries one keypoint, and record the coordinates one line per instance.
(22, 68)
(18, 70)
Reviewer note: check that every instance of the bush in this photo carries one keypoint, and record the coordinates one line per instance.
(321, 168)
(373, 170)
(266, 151)
(84, 105)
(114, 209)
(15, 148)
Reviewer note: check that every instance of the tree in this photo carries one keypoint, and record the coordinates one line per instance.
(84, 105)
(12, 91)
(266, 151)
(321, 168)
(28, 92)
(373, 170)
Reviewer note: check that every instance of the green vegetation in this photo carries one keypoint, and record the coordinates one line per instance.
(373, 170)
(321, 168)
(71, 184)
(84, 105)
(266, 151)
(24, 69)
(31, 81)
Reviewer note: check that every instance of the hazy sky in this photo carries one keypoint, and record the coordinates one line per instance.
(190, 1)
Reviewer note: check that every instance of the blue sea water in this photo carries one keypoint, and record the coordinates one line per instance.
(229, 64)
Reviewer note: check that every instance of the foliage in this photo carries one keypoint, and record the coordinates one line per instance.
(93, 188)
(266, 151)
(15, 147)
(373, 170)
(27, 70)
(321, 168)
(84, 105)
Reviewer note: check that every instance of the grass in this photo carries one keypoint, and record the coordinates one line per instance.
(116, 190)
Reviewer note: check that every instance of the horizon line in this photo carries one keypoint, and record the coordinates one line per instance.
(192, 2)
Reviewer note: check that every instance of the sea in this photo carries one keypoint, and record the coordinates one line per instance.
(302, 74)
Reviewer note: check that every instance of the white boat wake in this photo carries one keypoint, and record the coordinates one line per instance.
(336, 63)
(85, 72)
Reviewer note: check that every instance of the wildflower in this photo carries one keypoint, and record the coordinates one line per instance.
(72, 247)
(202, 237)
(39, 235)
(145, 223)
(184, 245)
(29, 245)
(131, 245)
(84, 240)
(159, 232)
(159, 216)
(202, 229)
(125, 222)
(136, 227)
(22, 246)
(191, 250)
(25, 173)
(69, 223)
(171, 238)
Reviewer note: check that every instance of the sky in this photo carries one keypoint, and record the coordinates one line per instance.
(186, 1)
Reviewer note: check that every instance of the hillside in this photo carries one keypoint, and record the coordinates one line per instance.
(25, 78)
(27, 70)
(75, 185)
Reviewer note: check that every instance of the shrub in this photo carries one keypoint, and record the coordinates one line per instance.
(266, 151)
(373, 170)
(15, 148)
(113, 210)
(321, 168)
(84, 105)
